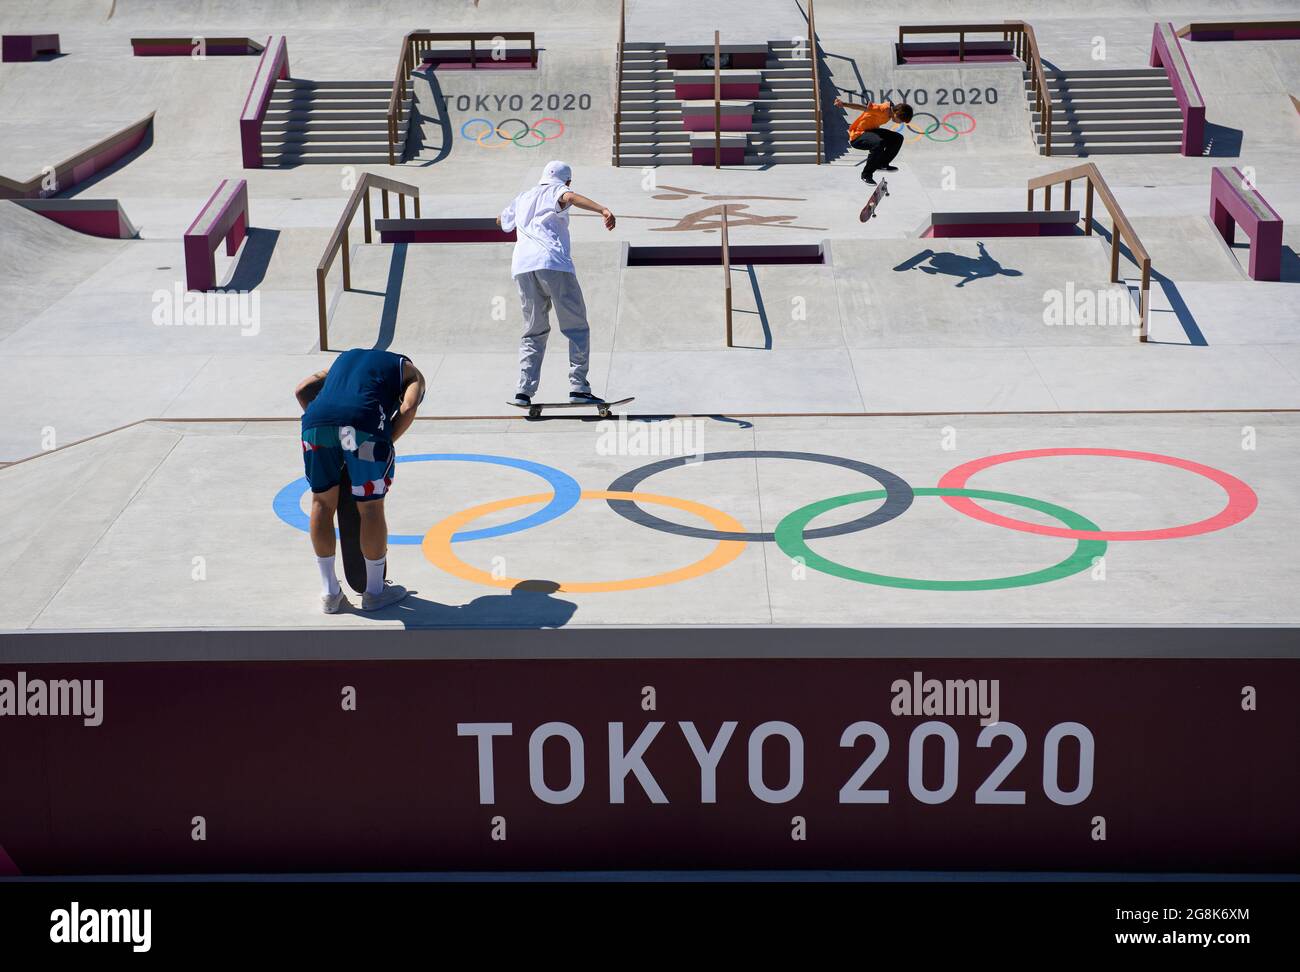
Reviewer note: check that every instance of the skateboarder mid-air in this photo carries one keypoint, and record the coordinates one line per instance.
(868, 134)
(546, 278)
(352, 415)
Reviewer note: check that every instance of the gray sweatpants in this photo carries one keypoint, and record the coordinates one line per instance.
(539, 291)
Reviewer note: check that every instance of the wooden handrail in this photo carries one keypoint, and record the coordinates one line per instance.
(717, 103)
(618, 89)
(1121, 228)
(726, 271)
(406, 65)
(1043, 97)
(817, 88)
(339, 239)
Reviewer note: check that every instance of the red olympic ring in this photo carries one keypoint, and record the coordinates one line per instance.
(963, 132)
(1242, 500)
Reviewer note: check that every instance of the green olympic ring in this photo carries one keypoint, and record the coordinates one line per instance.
(789, 537)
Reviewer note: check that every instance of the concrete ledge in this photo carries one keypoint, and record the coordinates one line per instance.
(711, 255)
(28, 47)
(1012, 223)
(224, 216)
(1233, 203)
(476, 229)
(185, 46)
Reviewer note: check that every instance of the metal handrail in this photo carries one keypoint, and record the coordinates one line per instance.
(1120, 226)
(726, 271)
(618, 90)
(339, 238)
(406, 65)
(717, 101)
(817, 88)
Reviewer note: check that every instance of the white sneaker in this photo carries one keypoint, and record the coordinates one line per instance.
(391, 594)
(333, 603)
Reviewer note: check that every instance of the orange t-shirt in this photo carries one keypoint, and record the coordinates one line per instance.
(877, 114)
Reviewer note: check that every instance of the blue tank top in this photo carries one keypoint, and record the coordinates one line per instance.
(363, 389)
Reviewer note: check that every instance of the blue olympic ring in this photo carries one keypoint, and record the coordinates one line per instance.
(288, 502)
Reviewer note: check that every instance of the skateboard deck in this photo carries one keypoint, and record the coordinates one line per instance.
(869, 209)
(535, 409)
(354, 562)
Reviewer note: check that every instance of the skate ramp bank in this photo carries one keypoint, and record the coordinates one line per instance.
(43, 262)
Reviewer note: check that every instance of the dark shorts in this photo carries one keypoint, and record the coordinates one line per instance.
(370, 461)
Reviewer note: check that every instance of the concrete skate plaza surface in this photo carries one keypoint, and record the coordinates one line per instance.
(113, 527)
(889, 323)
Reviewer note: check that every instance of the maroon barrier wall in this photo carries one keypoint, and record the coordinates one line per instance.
(1183, 777)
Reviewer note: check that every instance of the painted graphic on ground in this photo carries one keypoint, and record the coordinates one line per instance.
(794, 534)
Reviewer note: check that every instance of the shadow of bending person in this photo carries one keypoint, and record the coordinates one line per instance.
(530, 604)
(956, 265)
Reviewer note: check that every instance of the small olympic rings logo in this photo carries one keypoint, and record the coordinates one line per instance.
(510, 131)
(928, 130)
(792, 533)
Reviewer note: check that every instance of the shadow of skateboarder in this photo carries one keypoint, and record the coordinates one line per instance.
(956, 265)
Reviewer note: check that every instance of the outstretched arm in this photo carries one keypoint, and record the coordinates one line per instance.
(841, 103)
(412, 394)
(582, 202)
(309, 388)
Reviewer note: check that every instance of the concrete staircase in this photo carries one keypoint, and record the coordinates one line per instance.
(329, 122)
(1129, 111)
(784, 125)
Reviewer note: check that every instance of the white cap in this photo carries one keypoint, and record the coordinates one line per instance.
(556, 172)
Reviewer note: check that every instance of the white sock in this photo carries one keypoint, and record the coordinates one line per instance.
(328, 579)
(375, 575)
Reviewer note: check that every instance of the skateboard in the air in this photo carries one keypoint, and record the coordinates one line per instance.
(535, 409)
(354, 562)
(869, 209)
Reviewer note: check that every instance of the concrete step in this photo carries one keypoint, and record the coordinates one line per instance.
(311, 84)
(1109, 96)
(1104, 138)
(364, 146)
(630, 159)
(657, 138)
(1134, 125)
(766, 158)
(319, 125)
(1129, 72)
(1160, 113)
(288, 159)
(1124, 148)
(327, 138)
(1101, 84)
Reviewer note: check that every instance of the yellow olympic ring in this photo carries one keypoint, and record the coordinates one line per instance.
(437, 543)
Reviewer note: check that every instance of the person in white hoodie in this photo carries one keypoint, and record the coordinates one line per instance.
(544, 273)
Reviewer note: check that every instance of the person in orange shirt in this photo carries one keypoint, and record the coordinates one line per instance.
(866, 133)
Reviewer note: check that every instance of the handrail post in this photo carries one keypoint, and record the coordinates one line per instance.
(1047, 199)
(383, 193)
(1087, 215)
(726, 273)
(816, 79)
(717, 100)
(1144, 300)
(472, 63)
(1066, 204)
(1114, 250)
(618, 85)
(416, 197)
(961, 45)
(1029, 200)
(365, 213)
(401, 205)
(347, 262)
(320, 309)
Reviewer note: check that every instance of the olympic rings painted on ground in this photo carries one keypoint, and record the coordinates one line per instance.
(288, 502)
(790, 538)
(898, 494)
(1242, 500)
(527, 130)
(929, 131)
(437, 544)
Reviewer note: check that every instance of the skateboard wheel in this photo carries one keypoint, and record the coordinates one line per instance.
(534, 412)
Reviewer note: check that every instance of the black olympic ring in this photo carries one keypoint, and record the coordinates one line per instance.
(898, 495)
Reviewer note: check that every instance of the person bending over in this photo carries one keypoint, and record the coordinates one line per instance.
(352, 414)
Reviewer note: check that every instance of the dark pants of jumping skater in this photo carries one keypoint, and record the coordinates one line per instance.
(881, 145)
